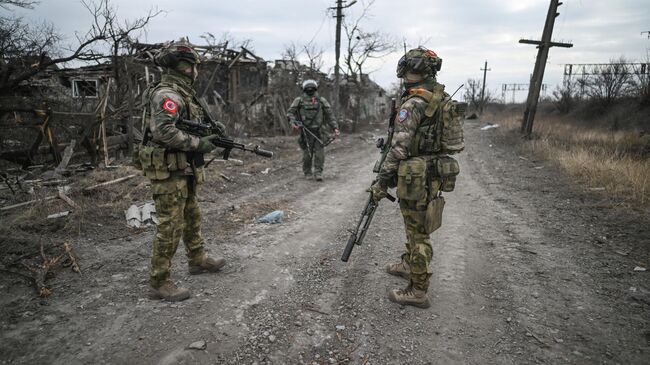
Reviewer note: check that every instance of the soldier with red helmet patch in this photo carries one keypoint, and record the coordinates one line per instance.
(166, 157)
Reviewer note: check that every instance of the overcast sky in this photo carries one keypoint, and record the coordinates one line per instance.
(464, 33)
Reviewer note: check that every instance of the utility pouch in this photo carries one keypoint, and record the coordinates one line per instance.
(447, 169)
(159, 163)
(199, 175)
(433, 218)
(412, 178)
(135, 158)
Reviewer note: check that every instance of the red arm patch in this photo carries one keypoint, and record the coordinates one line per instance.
(170, 106)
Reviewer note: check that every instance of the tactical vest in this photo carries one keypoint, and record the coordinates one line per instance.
(157, 161)
(439, 134)
(311, 111)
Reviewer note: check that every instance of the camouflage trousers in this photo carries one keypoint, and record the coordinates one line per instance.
(312, 153)
(418, 246)
(179, 217)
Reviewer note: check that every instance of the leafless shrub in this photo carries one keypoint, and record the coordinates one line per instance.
(611, 82)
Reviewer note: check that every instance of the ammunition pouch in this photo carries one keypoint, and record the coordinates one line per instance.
(159, 163)
(433, 217)
(445, 171)
(135, 158)
(412, 179)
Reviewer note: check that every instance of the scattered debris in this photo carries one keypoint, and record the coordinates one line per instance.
(198, 345)
(111, 182)
(225, 177)
(65, 213)
(489, 126)
(67, 199)
(622, 253)
(272, 218)
(639, 269)
(340, 327)
(522, 158)
(141, 215)
(266, 170)
(538, 167)
(65, 189)
(230, 160)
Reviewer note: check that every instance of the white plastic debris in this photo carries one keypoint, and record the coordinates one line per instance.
(640, 269)
(198, 345)
(266, 170)
(141, 215)
(58, 215)
(489, 126)
(272, 218)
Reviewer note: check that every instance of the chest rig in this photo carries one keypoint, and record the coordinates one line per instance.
(310, 107)
(157, 161)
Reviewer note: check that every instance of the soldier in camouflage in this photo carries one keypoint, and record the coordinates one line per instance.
(418, 70)
(313, 112)
(166, 157)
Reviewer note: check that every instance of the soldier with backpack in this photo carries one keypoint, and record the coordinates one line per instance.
(312, 115)
(428, 128)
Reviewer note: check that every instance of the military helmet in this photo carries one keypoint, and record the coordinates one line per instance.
(419, 61)
(309, 84)
(176, 52)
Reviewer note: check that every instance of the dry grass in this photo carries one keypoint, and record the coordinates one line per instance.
(615, 161)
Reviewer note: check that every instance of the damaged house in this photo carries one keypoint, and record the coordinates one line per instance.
(97, 109)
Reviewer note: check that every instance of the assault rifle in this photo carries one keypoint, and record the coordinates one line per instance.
(204, 130)
(359, 233)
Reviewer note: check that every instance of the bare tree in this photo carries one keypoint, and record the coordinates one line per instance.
(314, 56)
(25, 4)
(641, 81)
(611, 82)
(564, 97)
(27, 50)
(363, 45)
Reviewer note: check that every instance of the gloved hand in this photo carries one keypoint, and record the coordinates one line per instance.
(295, 125)
(337, 132)
(205, 145)
(220, 128)
(378, 191)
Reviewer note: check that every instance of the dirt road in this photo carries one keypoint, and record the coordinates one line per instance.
(528, 268)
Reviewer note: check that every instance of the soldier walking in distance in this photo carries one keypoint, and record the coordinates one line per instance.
(428, 127)
(168, 157)
(313, 113)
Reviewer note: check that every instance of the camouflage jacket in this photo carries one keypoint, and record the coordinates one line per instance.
(314, 111)
(409, 117)
(169, 101)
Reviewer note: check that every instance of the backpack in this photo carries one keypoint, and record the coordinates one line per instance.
(441, 132)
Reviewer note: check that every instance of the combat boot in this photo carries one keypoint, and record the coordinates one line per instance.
(318, 176)
(206, 264)
(308, 176)
(169, 291)
(410, 296)
(401, 269)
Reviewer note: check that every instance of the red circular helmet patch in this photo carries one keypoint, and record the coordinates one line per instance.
(170, 106)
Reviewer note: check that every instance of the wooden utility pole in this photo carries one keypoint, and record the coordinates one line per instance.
(337, 51)
(543, 47)
(485, 69)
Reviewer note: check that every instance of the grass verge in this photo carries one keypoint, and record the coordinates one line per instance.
(616, 162)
